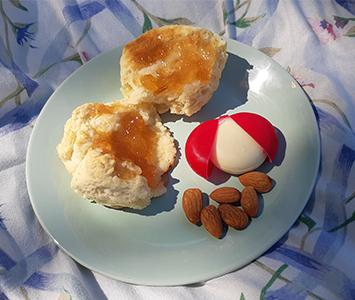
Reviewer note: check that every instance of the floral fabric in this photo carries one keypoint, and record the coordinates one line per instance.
(43, 42)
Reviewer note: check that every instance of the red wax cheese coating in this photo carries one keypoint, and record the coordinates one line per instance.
(199, 145)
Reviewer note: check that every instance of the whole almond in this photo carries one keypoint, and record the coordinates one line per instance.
(233, 216)
(225, 195)
(192, 203)
(211, 220)
(258, 180)
(249, 201)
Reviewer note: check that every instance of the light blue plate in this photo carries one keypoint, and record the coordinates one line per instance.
(158, 246)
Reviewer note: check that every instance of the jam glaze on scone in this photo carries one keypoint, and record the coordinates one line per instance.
(117, 153)
(174, 67)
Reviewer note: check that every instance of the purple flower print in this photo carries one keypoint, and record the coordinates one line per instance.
(22, 34)
(294, 74)
(84, 57)
(89, 8)
(324, 30)
(340, 22)
(329, 28)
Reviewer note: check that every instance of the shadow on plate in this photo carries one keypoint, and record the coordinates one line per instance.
(266, 167)
(166, 202)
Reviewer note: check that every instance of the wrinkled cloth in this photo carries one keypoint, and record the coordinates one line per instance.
(43, 42)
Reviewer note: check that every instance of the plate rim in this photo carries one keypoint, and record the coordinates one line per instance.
(282, 231)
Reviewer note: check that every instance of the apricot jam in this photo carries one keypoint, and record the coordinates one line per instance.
(97, 109)
(177, 59)
(133, 141)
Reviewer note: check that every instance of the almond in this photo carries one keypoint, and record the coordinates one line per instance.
(249, 201)
(258, 180)
(225, 195)
(192, 203)
(211, 220)
(233, 216)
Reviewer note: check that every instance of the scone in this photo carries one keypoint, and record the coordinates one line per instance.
(117, 153)
(174, 67)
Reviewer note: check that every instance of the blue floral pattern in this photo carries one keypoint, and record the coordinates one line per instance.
(23, 35)
(43, 42)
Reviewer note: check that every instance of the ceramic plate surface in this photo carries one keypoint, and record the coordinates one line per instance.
(158, 246)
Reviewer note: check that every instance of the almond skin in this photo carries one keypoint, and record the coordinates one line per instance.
(212, 221)
(258, 180)
(225, 195)
(233, 216)
(249, 201)
(192, 203)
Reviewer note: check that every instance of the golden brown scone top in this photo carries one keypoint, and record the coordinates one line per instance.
(173, 67)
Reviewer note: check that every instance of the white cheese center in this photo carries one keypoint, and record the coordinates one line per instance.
(235, 151)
